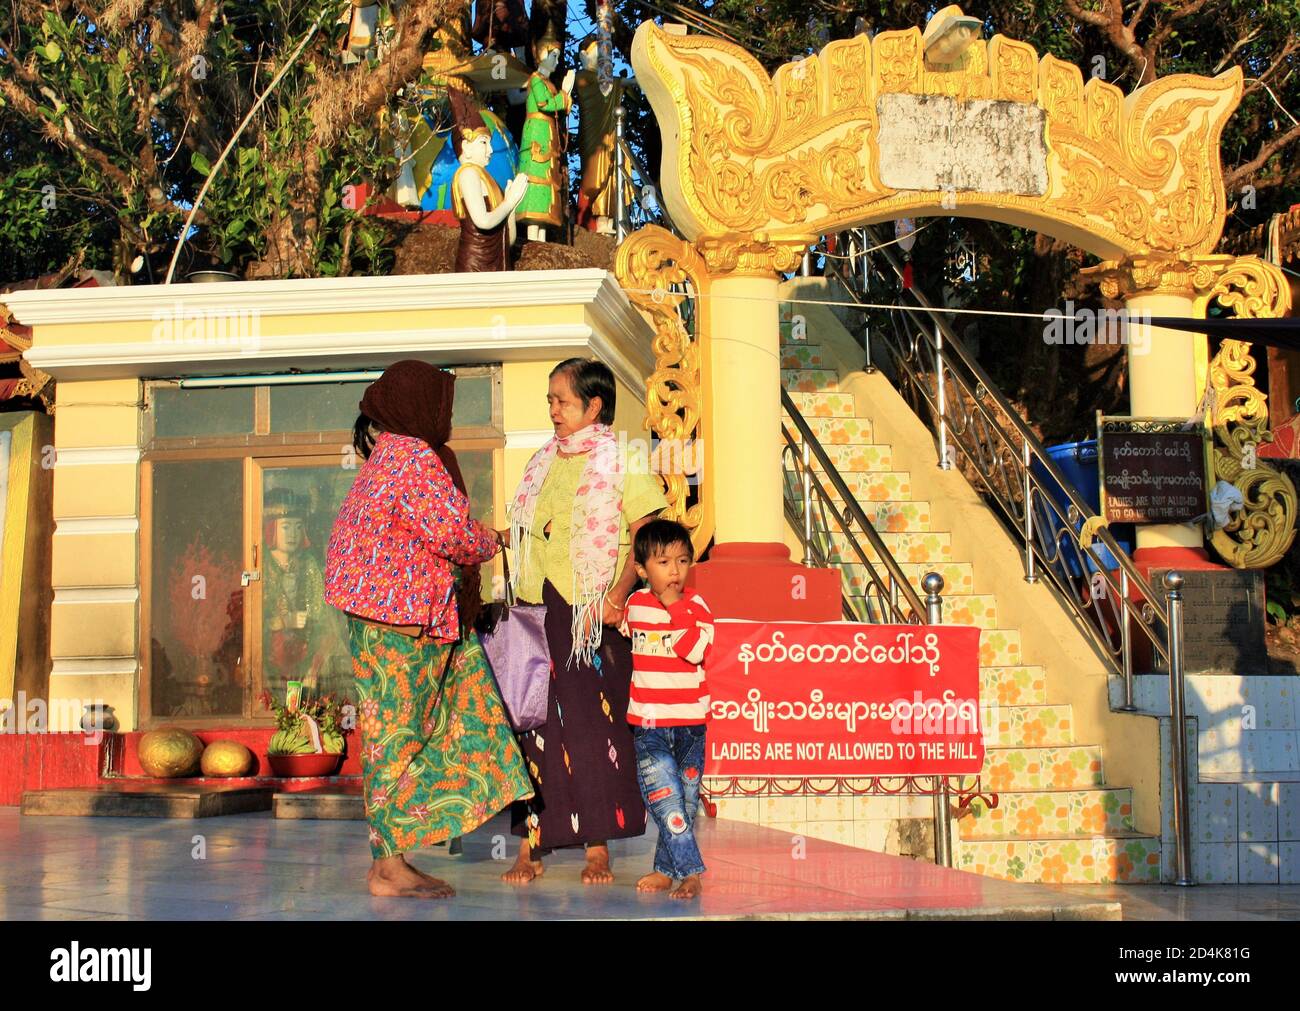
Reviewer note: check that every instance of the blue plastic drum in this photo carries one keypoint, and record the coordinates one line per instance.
(1078, 462)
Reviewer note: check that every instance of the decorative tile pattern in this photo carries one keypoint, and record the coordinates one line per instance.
(1288, 812)
(1257, 812)
(1215, 863)
(802, 356)
(839, 431)
(978, 609)
(1215, 813)
(855, 457)
(1082, 813)
(1010, 686)
(999, 647)
(1289, 860)
(1048, 768)
(856, 577)
(1258, 864)
(825, 405)
(810, 380)
(875, 486)
(958, 577)
(1028, 726)
(1127, 860)
(897, 517)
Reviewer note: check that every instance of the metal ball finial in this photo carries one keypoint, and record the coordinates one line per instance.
(1173, 580)
(932, 582)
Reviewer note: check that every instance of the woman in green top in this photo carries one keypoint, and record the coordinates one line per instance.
(540, 153)
(571, 521)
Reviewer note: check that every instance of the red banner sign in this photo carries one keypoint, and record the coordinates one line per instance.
(802, 699)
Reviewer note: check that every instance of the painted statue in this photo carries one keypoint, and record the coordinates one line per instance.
(596, 105)
(296, 632)
(487, 226)
(541, 155)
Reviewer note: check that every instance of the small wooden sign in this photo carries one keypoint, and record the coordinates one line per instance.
(1153, 470)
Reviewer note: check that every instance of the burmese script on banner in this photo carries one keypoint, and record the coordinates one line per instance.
(844, 700)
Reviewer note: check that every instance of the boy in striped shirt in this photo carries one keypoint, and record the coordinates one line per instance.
(671, 631)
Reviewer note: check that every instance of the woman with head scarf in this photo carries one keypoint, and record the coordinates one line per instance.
(438, 756)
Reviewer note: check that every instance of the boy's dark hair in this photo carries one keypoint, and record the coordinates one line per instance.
(590, 378)
(657, 535)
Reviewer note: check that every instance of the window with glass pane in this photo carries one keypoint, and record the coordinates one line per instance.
(472, 406)
(196, 643)
(476, 469)
(303, 638)
(179, 413)
(323, 407)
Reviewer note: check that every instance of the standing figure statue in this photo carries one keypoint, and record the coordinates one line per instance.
(487, 226)
(541, 156)
(596, 139)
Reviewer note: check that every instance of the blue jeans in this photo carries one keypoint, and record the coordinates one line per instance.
(669, 765)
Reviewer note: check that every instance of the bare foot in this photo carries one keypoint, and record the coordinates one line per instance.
(597, 871)
(437, 885)
(525, 869)
(654, 882)
(392, 876)
(687, 888)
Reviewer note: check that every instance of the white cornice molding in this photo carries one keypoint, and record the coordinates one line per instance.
(76, 526)
(89, 456)
(529, 438)
(96, 594)
(95, 666)
(311, 296)
(613, 330)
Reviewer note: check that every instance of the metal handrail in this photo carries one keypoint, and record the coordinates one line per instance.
(974, 421)
(887, 587)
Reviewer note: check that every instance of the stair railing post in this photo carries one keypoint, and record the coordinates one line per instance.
(1178, 731)
(944, 462)
(1030, 575)
(1125, 644)
(932, 584)
(808, 558)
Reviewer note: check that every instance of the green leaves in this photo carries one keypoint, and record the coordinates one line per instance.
(200, 163)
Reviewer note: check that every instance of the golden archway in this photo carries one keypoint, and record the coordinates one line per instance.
(873, 129)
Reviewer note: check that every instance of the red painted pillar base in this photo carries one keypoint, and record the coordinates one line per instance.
(759, 582)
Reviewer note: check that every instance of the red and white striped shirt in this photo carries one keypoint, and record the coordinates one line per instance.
(669, 648)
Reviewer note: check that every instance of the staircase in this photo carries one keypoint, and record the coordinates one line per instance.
(1057, 819)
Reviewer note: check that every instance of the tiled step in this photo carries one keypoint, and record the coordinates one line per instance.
(825, 405)
(810, 380)
(148, 800)
(927, 546)
(836, 431)
(978, 609)
(1063, 767)
(332, 803)
(1084, 813)
(1026, 726)
(853, 458)
(1000, 647)
(802, 356)
(1013, 686)
(856, 578)
(1128, 859)
(879, 486)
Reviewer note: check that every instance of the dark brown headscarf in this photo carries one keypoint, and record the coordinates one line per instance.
(414, 398)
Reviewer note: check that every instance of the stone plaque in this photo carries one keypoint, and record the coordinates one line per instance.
(1223, 620)
(1152, 471)
(933, 142)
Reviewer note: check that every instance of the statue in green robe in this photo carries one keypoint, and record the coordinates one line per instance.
(541, 155)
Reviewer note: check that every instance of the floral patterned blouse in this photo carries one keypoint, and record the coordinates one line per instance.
(400, 530)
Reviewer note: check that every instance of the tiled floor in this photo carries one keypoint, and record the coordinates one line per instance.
(1200, 902)
(257, 867)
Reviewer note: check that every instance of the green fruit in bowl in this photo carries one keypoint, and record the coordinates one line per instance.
(289, 742)
(332, 742)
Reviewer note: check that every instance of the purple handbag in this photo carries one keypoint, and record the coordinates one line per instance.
(514, 639)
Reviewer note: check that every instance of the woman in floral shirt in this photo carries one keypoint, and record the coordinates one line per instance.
(438, 756)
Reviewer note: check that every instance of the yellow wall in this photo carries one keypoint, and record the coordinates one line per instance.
(94, 619)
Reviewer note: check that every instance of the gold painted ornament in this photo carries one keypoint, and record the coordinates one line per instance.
(226, 758)
(170, 752)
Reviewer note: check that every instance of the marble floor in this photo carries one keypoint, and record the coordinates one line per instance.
(253, 866)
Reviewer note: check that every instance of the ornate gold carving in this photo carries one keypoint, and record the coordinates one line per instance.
(1262, 533)
(647, 264)
(1194, 276)
(743, 254)
(1125, 176)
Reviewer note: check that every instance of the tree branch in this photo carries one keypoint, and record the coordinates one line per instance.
(1267, 150)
